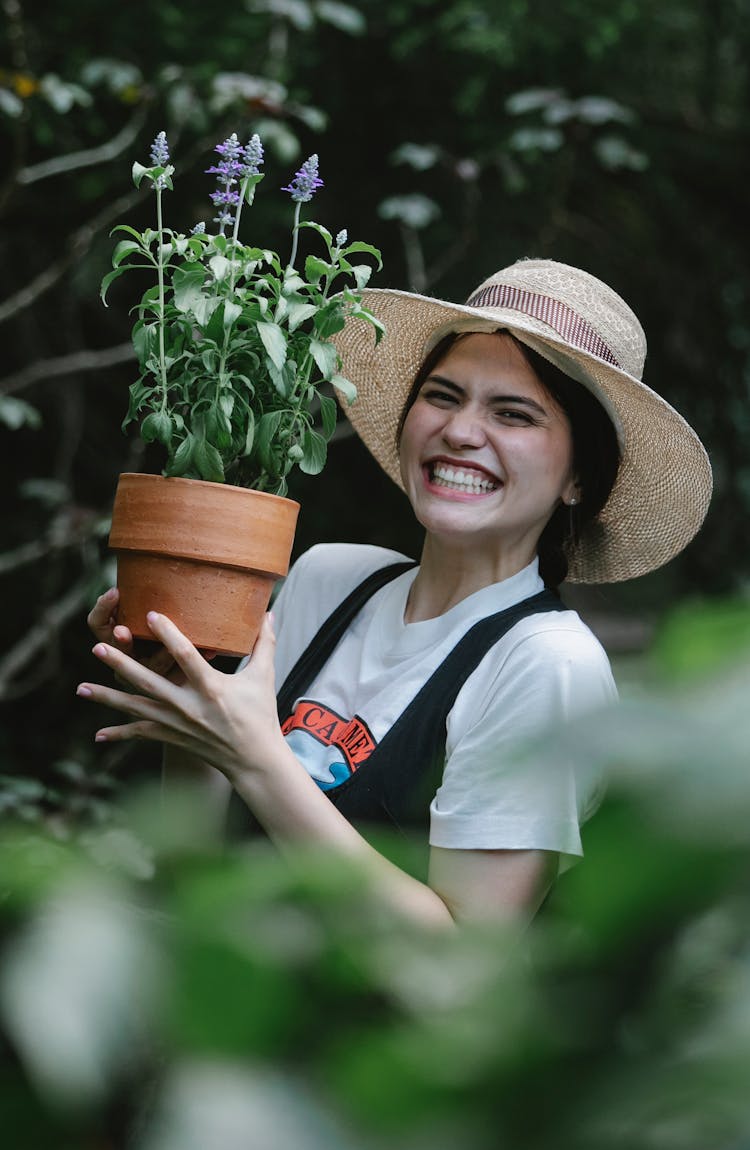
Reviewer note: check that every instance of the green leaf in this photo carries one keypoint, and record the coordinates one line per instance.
(328, 415)
(218, 427)
(138, 393)
(250, 187)
(138, 172)
(142, 239)
(211, 317)
(345, 387)
(293, 282)
(232, 312)
(268, 425)
(324, 232)
(361, 273)
(325, 356)
(274, 341)
(359, 246)
(316, 268)
(144, 339)
(157, 427)
(182, 459)
(107, 280)
(208, 461)
(298, 313)
(210, 359)
(315, 451)
(250, 433)
(220, 266)
(124, 248)
(187, 283)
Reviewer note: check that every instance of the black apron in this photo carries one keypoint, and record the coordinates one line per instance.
(393, 788)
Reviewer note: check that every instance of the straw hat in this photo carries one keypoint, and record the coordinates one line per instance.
(663, 485)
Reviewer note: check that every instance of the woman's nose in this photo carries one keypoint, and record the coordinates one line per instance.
(464, 428)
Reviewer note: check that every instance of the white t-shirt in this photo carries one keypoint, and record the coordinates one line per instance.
(547, 669)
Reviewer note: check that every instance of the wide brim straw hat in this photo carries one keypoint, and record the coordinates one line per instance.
(663, 486)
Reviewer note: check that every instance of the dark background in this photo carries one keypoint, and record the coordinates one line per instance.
(457, 136)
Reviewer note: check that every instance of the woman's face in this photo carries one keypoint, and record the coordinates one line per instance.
(486, 452)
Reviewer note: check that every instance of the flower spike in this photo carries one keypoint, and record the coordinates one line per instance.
(306, 181)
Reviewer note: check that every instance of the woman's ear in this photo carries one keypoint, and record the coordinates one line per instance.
(572, 493)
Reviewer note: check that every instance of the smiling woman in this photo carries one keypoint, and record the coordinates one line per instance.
(486, 454)
(530, 451)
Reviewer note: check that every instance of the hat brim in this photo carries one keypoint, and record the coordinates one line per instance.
(663, 486)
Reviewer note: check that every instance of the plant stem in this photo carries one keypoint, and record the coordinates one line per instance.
(160, 274)
(232, 273)
(295, 234)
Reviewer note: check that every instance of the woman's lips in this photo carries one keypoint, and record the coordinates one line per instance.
(460, 478)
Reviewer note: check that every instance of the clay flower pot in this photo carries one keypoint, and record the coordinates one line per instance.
(205, 554)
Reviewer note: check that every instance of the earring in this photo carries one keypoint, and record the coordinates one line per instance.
(572, 533)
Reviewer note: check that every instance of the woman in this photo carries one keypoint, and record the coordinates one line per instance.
(529, 449)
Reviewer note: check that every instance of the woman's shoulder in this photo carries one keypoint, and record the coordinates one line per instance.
(551, 638)
(325, 574)
(556, 653)
(345, 562)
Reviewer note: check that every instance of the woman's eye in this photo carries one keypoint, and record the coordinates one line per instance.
(435, 395)
(513, 415)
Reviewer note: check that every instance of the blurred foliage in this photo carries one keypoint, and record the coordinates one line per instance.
(161, 992)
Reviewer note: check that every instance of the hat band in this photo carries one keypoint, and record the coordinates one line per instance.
(573, 328)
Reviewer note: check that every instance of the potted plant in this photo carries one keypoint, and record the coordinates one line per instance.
(235, 355)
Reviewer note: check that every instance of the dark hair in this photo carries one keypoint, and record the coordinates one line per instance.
(596, 454)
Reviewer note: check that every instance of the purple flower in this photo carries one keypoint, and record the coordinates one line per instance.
(252, 156)
(228, 174)
(199, 229)
(341, 238)
(306, 182)
(160, 151)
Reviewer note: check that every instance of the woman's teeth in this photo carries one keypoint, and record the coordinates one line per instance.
(459, 480)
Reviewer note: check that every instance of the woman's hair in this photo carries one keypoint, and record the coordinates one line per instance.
(596, 455)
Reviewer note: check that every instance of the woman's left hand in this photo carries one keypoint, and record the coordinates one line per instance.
(229, 720)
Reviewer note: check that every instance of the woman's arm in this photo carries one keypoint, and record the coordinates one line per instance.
(230, 722)
(178, 765)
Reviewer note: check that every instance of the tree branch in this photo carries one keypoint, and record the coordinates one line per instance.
(40, 633)
(87, 158)
(79, 244)
(72, 364)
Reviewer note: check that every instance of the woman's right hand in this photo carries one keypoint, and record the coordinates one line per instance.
(102, 621)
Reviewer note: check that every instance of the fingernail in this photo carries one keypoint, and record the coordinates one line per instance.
(109, 593)
(100, 650)
(84, 691)
(100, 738)
(152, 617)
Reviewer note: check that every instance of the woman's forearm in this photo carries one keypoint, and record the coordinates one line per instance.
(293, 810)
(180, 767)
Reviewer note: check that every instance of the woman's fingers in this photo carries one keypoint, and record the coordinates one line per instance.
(103, 615)
(262, 658)
(142, 729)
(102, 621)
(132, 673)
(187, 657)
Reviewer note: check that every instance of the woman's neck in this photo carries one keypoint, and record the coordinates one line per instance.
(446, 576)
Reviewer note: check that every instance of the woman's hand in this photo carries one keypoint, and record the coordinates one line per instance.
(102, 621)
(229, 721)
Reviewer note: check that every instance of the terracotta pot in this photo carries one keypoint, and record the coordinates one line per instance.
(205, 554)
